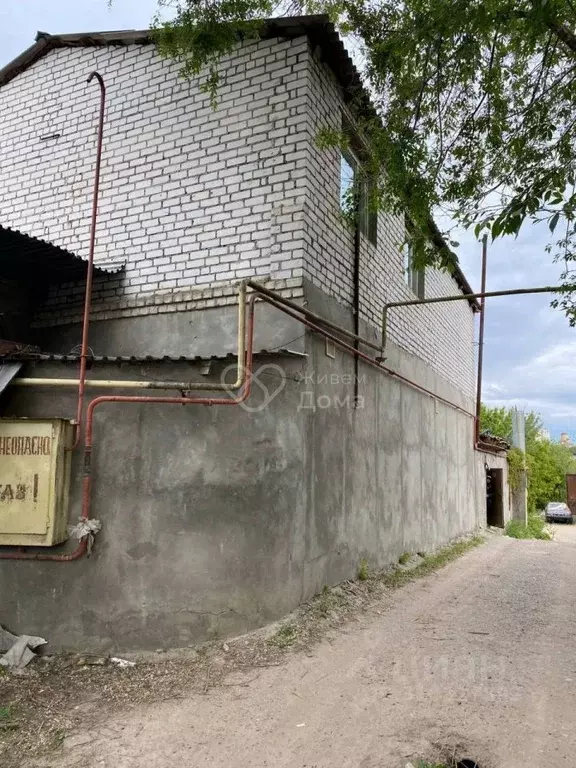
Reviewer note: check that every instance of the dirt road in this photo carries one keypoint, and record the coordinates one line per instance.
(477, 660)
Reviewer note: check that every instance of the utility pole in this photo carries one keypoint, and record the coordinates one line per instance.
(520, 492)
(481, 341)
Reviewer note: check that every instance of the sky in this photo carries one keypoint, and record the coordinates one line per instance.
(529, 349)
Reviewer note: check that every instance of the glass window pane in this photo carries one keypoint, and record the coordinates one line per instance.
(347, 173)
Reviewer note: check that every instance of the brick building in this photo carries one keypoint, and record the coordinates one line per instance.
(249, 511)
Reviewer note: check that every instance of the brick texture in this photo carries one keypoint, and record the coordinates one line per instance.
(440, 334)
(189, 195)
(195, 198)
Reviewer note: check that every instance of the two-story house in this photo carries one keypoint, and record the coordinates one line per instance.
(216, 520)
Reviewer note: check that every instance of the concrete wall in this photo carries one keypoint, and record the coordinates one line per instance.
(218, 520)
(203, 514)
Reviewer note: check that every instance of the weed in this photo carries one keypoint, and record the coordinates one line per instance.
(404, 557)
(363, 572)
(424, 764)
(285, 637)
(534, 529)
(59, 736)
(7, 722)
(321, 605)
(430, 563)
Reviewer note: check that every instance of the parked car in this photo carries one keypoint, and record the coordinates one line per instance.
(558, 511)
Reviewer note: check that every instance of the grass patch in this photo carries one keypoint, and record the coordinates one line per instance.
(363, 572)
(7, 722)
(404, 557)
(284, 637)
(332, 607)
(424, 764)
(59, 736)
(430, 563)
(534, 529)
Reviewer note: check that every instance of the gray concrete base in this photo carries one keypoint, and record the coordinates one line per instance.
(217, 520)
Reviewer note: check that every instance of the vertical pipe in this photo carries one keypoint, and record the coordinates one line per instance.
(90, 270)
(481, 341)
(356, 279)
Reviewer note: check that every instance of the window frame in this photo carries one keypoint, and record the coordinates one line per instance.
(367, 217)
(415, 279)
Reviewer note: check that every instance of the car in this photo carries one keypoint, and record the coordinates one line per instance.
(558, 511)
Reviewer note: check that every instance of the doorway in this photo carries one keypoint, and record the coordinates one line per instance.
(495, 497)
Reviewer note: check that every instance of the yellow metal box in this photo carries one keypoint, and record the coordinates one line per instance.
(34, 481)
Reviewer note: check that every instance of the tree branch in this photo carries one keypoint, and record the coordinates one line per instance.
(562, 33)
(424, 84)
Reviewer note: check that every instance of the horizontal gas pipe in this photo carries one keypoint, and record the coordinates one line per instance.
(461, 297)
(183, 386)
(318, 319)
(284, 304)
(244, 374)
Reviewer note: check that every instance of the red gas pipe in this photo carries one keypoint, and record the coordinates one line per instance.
(88, 441)
(90, 272)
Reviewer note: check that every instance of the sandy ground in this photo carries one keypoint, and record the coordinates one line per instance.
(478, 660)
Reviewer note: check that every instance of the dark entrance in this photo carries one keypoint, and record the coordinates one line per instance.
(495, 497)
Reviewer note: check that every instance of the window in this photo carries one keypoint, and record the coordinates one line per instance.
(356, 191)
(347, 180)
(415, 278)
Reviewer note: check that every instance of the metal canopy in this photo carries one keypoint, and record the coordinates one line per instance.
(33, 260)
(7, 372)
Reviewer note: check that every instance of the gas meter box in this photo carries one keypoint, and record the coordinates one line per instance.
(34, 481)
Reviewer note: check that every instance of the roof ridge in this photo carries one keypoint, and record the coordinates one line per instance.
(45, 41)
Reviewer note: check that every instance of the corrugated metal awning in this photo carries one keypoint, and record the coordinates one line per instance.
(27, 258)
(30, 356)
(7, 372)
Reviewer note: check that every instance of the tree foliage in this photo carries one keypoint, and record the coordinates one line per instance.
(498, 421)
(475, 104)
(547, 463)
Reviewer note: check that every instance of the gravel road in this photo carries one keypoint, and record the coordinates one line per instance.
(477, 660)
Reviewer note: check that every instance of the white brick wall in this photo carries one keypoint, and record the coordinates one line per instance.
(189, 195)
(193, 197)
(440, 334)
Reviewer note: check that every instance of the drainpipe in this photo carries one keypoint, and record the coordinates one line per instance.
(90, 270)
(356, 279)
(481, 342)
